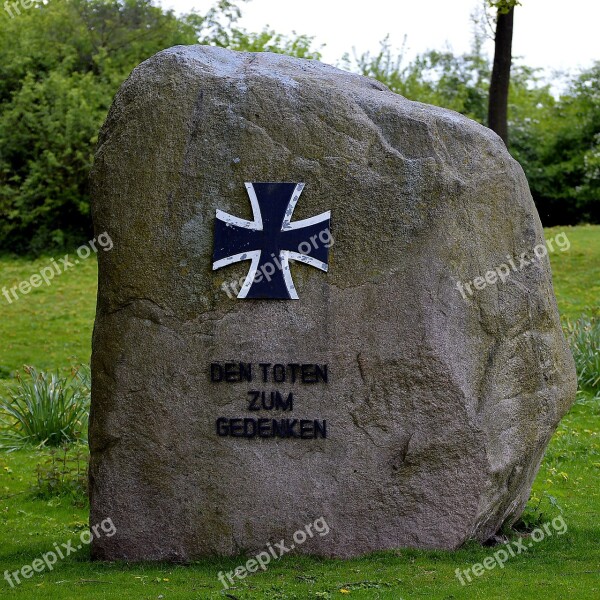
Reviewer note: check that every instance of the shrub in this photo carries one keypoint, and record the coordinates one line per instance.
(46, 409)
(61, 63)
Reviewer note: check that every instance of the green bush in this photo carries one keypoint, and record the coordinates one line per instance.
(45, 409)
(558, 145)
(61, 62)
(584, 338)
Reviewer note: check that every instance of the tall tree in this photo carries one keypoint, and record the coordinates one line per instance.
(500, 80)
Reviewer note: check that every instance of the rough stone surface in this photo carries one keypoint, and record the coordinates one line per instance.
(438, 408)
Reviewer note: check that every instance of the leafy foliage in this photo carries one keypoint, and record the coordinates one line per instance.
(503, 6)
(61, 62)
(45, 409)
(559, 148)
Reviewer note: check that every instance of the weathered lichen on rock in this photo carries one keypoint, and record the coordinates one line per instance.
(438, 407)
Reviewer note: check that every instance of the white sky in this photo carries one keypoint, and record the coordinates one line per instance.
(553, 34)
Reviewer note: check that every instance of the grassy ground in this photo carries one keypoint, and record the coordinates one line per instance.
(576, 272)
(52, 326)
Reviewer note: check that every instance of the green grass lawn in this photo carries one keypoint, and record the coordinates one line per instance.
(51, 327)
(576, 272)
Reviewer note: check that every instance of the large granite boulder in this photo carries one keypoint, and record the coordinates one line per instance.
(429, 396)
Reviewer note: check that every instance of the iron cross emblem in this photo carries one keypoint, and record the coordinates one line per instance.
(271, 240)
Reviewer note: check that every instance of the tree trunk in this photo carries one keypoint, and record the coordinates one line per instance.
(498, 101)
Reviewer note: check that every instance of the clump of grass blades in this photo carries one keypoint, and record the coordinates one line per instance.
(45, 409)
(584, 338)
